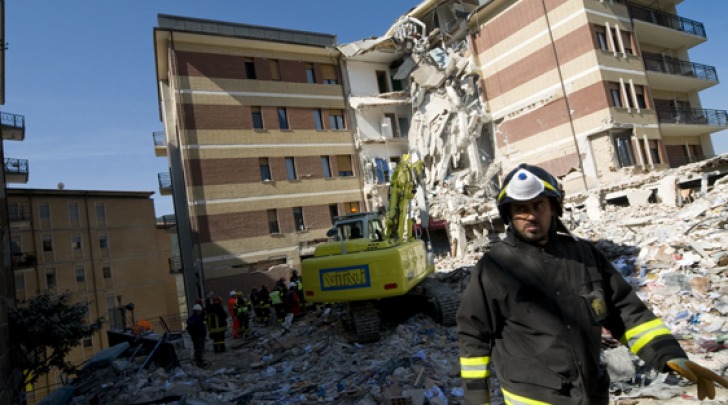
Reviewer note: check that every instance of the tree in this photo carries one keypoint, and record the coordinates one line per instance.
(46, 328)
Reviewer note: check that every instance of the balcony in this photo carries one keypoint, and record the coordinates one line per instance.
(165, 183)
(160, 143)
(19, 212)
(16, 170)
(664, 29)
(23, 260)
(12, 126)
(667, 73)
(691, 121)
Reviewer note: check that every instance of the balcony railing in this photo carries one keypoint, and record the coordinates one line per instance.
(693, 116)
(667, 20)
(666, 64)
(165, 181)
(16, 166)
(22, 260)
(12, 120)
(160, 138)
(676, 161)
(19, 212)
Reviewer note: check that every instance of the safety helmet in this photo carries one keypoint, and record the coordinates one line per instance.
(527, 182)
(197, 307)
(232, 293)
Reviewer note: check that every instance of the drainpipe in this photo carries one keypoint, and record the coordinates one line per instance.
(566, 98)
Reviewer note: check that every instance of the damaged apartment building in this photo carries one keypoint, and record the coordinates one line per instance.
(270, 133)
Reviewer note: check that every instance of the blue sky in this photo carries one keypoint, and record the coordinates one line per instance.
(82, 74)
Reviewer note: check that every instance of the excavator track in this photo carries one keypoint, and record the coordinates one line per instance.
(365, 319)
(444, 301)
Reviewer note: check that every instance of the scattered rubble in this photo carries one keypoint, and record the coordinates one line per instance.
(674, 256)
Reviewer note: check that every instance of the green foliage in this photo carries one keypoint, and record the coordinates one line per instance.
(47, 328)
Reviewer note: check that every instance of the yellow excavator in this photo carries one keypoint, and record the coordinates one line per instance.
(373, 267)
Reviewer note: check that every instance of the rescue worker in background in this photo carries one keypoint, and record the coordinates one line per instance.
(276, 299)
(265, 302)
(255, 302)
(280, 284)
(293, 305)
(232, 300)
(242, 312)
(217, 322)
(197, 330)
(536, 304)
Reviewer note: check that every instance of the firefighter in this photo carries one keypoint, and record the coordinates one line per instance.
(232, 300)
(536, 305)
(198, 330)
(217, 324)
(276, 299)
(242, 312)
(265, 303)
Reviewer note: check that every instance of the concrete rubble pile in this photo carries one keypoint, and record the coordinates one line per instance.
(674, 256)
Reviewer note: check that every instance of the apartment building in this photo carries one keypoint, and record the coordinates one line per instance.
(103, 247)
(12, 128)
(259, 147)
(594, 90)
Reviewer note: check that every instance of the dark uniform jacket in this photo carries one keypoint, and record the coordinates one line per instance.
(538, 312)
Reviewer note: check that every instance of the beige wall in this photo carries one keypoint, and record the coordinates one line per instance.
(137, 255)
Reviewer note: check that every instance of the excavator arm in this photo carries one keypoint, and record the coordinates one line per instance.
(403, 185)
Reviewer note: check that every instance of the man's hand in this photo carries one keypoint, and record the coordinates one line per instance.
(698, 374)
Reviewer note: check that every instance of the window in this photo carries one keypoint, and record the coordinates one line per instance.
(615, 95)
(623, 148)
(282, 118)
(103, 240)
(382, 171)
(326, 167)
(403, 126)
(100, 212)
(80, 274)
(257, 117)
(15, 245)
(44, 211)
(88, 343)
(351, 207)
(318, 120)
(333, 212)
(47, 243)
(50, 278)
(273, 222)
(249, 68)
(336, 119)
(343, 165)
(601, 36)
(264, 169)
(382, 81)
(389, 126)
(328, 74)
(76, 242)
(640, 96)
(20, 281)
(654, 150)
(291, 168)
(275, 69)
(298, 218)
(73, 213)
(106, 270)
(310, 73)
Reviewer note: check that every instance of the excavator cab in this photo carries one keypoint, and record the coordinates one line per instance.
(367, 225)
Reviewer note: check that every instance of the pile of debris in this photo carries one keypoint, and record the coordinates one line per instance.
(673, 255)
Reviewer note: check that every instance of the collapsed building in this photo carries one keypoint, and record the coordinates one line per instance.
(574, 86)
(593, 91)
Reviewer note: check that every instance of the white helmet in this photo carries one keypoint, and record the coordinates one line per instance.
(197, 307)
(232, 293)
